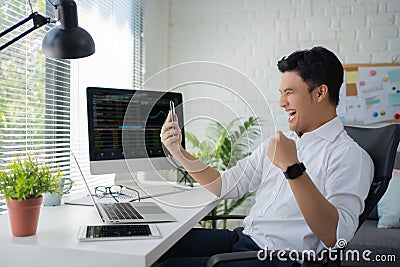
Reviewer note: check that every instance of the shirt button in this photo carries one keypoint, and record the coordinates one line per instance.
(260, 213)
(274, 193)
(248, 229)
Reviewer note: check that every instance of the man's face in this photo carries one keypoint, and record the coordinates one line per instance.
(299, 104)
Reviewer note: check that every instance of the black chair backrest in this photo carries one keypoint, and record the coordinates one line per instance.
(381, 144)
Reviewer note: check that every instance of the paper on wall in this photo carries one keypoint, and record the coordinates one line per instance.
(355, 110)
(350, 108)
(378, 93)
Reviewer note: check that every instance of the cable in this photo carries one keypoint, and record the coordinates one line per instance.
(50, 3)
(30, 5)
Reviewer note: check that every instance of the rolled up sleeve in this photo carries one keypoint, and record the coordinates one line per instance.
(347, 187)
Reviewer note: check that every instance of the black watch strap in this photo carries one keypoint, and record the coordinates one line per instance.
(295, 170)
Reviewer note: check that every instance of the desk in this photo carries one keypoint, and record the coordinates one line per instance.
(55, 243)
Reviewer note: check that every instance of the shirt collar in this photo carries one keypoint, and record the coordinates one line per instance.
(330, 130)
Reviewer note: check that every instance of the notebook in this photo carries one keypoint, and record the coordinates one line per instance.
(126, 212)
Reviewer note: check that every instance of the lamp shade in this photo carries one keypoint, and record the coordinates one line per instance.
(68, 43)
(67, 40)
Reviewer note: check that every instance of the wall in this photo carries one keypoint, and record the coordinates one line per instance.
(156, 27)
(251, 35)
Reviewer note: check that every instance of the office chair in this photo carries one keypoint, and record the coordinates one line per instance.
(381, 144)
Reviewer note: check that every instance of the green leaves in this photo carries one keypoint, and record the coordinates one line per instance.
(230, 143)
(27, 178)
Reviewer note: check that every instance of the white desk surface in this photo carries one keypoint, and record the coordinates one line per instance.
(56, 244)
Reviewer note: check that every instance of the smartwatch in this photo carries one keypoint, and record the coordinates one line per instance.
(295, 170)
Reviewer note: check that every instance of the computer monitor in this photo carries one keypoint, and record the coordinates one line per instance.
(124, 129)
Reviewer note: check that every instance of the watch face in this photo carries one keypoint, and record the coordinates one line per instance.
(295, 171)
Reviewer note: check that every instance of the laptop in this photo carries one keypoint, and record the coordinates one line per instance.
(126, 212)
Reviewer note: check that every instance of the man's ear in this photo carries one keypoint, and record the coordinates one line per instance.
(322, 92)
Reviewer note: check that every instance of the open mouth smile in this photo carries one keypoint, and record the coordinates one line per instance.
(291, 113)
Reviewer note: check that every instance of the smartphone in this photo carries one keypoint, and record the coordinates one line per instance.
(118, 232)
(172, 109)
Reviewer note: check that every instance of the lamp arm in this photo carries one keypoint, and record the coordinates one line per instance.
(38, 21)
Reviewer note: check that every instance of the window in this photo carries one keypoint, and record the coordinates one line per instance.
(34, 93)
(42, 100)
(117, 29)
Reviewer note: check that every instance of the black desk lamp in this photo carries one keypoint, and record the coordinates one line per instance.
(66, 40)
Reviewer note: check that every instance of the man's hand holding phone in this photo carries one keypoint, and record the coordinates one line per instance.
(171, 135)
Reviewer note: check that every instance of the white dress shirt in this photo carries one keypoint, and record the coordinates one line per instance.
(339, 168)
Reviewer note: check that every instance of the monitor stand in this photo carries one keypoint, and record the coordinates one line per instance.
(145, 177)
(178, 178)
(152, 183)
(184, 180)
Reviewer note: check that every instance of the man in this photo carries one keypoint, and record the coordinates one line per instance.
(310, 182)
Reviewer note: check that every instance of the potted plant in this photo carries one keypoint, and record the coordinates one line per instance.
(230, 143)
(23, 183)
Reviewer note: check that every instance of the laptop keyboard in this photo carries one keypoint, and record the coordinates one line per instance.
(121, 211)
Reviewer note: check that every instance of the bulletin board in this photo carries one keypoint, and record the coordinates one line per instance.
(370, 93)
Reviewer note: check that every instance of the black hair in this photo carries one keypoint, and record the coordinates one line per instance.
(316, 66)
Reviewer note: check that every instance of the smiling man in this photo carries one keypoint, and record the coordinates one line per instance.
(310, 182)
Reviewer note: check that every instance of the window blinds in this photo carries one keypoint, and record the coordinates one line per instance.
(43, 101)
(34, 93)
(116, 27)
